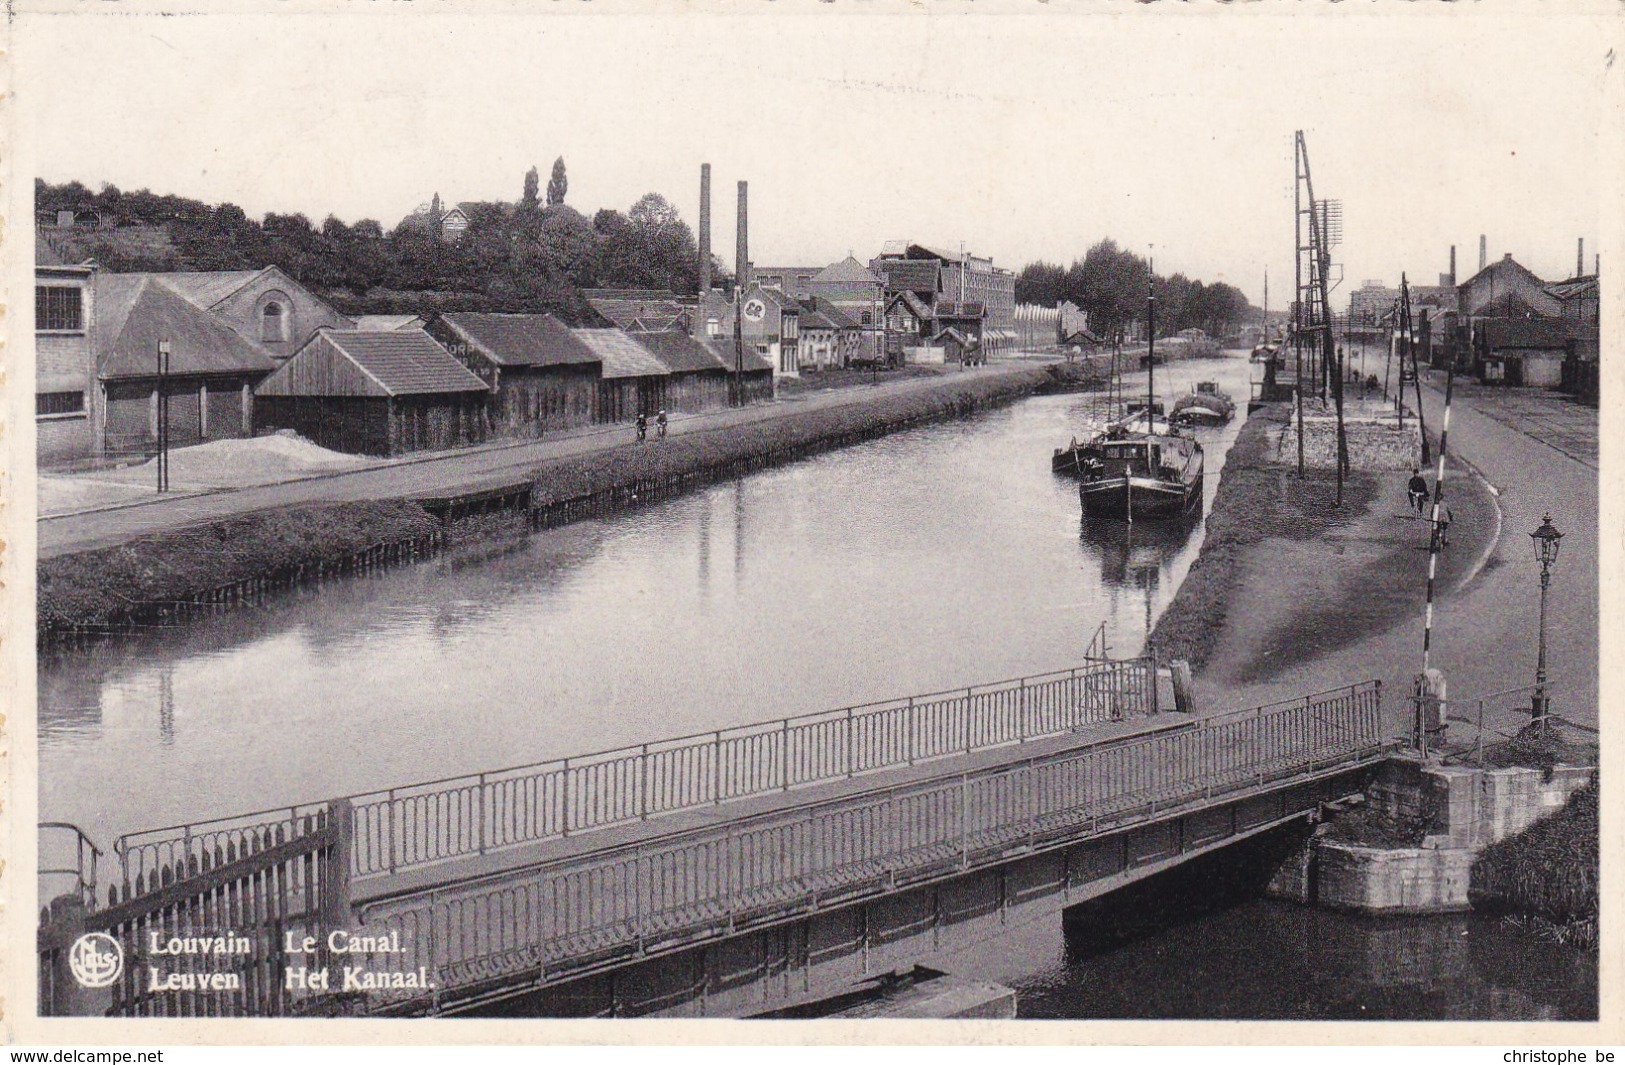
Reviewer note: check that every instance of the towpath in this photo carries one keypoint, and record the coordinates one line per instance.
(1537, 453)
(448, 472)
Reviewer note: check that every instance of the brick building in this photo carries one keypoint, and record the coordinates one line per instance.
(65, 365)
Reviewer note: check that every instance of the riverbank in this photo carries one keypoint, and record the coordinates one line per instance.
(1287, 576)
(220, 564)
(1545, 878)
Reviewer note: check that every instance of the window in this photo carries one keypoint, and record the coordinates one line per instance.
(58, 307)
(713, 327)
(868, 318)
(271, 323)
(48, 404)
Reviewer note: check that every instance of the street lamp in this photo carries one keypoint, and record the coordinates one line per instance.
(1547, 541)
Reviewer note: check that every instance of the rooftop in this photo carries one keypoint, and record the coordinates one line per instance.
(520, 339)
(404, 362)
(621, 354)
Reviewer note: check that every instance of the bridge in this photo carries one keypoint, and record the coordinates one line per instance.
(729, 873)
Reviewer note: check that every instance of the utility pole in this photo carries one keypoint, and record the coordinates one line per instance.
(1410, 349)
(163, 416)
(741, 277)
(1297, 286)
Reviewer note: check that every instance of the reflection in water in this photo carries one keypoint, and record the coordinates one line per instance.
(166, 704)
(1135, 555)
(1276, 960)
(926, 560)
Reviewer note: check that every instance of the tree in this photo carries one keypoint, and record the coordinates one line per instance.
(558, 184)
(1041, 283)
(568, 245)
(532, 184)
(670, 253)
(434, 208)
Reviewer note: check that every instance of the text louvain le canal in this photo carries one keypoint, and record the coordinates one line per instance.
(297, 978)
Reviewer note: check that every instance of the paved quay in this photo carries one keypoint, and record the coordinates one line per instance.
(453, 472)
(1485, 627)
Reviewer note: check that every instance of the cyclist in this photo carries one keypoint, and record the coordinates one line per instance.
(643, 426)
(660, 423)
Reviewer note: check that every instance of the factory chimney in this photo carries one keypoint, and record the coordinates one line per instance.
(1452, 264)
(742, 249)
(705, 229)
(1483, 251)
(1580, 258)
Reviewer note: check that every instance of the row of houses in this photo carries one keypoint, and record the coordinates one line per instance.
(251, 352)
(1504, 324)
(911, 304)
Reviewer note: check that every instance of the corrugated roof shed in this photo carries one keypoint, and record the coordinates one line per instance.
(136, 311)
(521, 339)
(621, 355)
(680, 352)
(1574, 288)
(344, 362)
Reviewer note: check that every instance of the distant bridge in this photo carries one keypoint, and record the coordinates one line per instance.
(724, 873)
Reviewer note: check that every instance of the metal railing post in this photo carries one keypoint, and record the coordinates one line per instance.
(851, 745)
(643, 783)
(480, 814)
(716, 768)
(911, 729)
(564, 798)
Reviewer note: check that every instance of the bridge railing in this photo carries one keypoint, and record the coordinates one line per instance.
(560, 916)
(455, 817)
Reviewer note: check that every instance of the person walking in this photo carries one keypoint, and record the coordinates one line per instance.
(1444, 520)
(1418, 489)
(643, 426)
(660, 423)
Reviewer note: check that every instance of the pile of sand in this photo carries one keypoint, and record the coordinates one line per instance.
(282, 456)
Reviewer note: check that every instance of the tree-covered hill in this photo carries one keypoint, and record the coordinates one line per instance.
(513, 257)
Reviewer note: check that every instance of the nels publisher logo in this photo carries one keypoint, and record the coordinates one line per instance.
(95, 959)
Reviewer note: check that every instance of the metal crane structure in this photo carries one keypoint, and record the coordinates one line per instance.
(1317, 228)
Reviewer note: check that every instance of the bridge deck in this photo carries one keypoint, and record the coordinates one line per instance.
(375, 890)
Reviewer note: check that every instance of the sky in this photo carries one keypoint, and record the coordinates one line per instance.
(1024, 131)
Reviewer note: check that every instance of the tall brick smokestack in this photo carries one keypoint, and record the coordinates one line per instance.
(1580, 258)
(705, 228)
(1452, 264)
(1483, 251)
(742, 248)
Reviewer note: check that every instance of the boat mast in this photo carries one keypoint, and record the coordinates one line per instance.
(1151, 343)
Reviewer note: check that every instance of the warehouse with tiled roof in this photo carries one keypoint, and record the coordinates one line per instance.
(375, 393)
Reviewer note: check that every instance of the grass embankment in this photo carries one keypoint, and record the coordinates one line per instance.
(790, 434)
(107, 588)
(1254, 502)
(1547, 875)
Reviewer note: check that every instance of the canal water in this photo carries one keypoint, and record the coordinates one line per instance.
(931, 559)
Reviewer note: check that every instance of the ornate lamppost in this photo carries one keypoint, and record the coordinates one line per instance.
(1547, 541)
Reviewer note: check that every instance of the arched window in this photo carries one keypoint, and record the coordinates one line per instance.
(271, 324)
